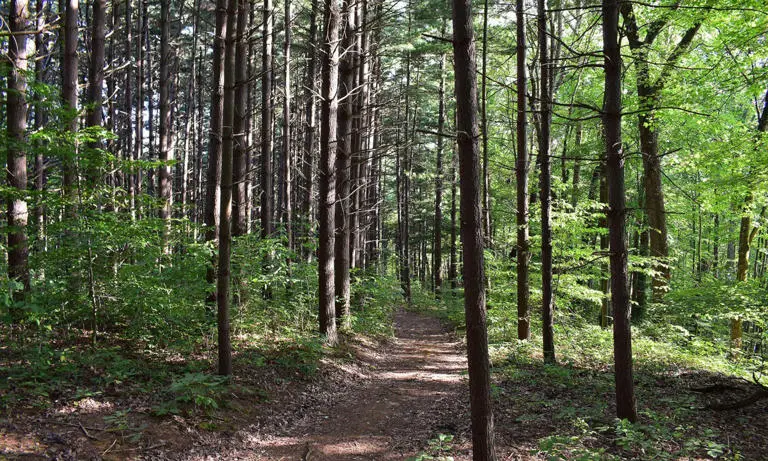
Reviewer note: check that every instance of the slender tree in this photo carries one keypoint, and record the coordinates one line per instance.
(327, 173)
(240, 148)
(344, 163)
(213, 170)
(484, 130)
(267, 110)
(69, 68)
(166, 124)
(95, 98)
(286, 166)
(545, 105)
(225, 222)
(308, 158)
(472, 232)
(617, 209)
(521, 171)
(437, 255)
(16, 110)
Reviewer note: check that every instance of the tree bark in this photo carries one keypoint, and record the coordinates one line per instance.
(484, 128)
(240, 148)
(547, 302)
(309, 122)
(69, 95)
(17, 108)
(94, 113)
(267, 135)
(166, 124)
(622, 333)
(344, 163)
(213, 170)
(472, 233)
(42, 11)
(286, 209)
(521, 171)
(452, 264)
(225, 222)
(437, 255)
(327, 172)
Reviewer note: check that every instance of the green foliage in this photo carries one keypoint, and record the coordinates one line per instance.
(437, 449)
(201, 390)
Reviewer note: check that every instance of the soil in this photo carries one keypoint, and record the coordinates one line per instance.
(393, 400)
(381, 401)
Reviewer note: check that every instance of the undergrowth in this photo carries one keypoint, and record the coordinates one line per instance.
(157, 337)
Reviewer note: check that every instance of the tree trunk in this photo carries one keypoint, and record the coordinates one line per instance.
(150, 101)
(225, 222)
(742, 269)
(622, 333)
(405, 260)
(484, 134)
(649, 92)
(130, 177)
(266, 123)
(344, 163)
(94, 113)
(605, 287)
(521, 171)
(69, 95)
(138, 152)
(547, 303)
(17, 107)
(309, 128)
(213, 170)
(240, 147)
(42, 12)
(437, 244)
(327, 173)
(166, 126)
(472, 233)
(286, 166)
(452, 265)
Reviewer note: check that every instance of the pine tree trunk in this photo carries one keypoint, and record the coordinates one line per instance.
(452, 264)
(94, 113)
(472, 233)
(484, 133)
(547, 302)
(138, 152)
(225, 222)
(344, 164)
(42, 11)
(240, 147)
(151, 186)
(69, 95)
(308, 158)
(327, 172)
(437, 244)
(286, 208)
(521, 171)
(214, 167)
(166, 124)
(267, 135)
(17, 108)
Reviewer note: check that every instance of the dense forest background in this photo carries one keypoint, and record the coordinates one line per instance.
(235, 186)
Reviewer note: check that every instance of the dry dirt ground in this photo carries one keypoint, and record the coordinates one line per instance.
(386, 401)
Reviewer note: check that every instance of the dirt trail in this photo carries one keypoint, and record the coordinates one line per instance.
(412, 390)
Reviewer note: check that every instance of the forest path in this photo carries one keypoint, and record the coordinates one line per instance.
(412, 389)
